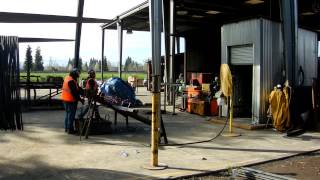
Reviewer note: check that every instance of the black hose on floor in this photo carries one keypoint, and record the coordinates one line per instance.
(202, 141)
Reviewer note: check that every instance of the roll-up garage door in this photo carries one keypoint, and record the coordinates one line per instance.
(241, 55)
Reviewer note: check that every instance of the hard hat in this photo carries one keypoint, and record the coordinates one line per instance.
(92, 73)
(279, 86)
(75, 72)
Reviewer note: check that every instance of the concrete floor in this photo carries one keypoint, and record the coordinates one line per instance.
(44, 151)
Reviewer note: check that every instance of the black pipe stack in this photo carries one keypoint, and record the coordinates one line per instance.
(10, 106)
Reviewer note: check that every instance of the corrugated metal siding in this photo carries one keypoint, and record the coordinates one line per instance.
(272, 62)
(241, 55)
(307, 55)
(266, 37)
(244, 33)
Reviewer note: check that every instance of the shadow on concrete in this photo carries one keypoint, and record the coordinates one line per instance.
(33, 168)
(243, 149)
(304, 138)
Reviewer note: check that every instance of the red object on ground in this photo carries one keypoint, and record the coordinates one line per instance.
(214, 107)
(202, 77)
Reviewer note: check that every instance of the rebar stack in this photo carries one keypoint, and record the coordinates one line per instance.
(10, 108)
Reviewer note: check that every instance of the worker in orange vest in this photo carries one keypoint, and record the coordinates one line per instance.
(70, 96)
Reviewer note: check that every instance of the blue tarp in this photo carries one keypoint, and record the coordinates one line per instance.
(118, 88)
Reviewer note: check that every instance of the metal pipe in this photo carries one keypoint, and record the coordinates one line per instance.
(120, 38)
(290, 29)
(172, 46)
(165, 25)
(178, 44)
(78, 34)
(102, 55)
(155, 16)
(185, 72)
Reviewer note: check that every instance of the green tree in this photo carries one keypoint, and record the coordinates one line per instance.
(85, 67)
(38, 61)
(105, 64)
(97, 67)
(92, 63)
(28, 60)
(71, 64)
(127, 64)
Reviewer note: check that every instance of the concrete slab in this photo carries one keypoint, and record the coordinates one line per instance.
(44, 151)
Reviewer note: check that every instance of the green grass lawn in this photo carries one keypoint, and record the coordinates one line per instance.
(106, 75)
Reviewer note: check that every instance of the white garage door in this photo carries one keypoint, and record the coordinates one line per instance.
(241, 55)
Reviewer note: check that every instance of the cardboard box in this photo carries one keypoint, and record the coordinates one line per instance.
(206, 87)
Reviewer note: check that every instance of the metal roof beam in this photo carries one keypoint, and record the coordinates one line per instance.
(31, 39)
(126, 14)
(9, 17)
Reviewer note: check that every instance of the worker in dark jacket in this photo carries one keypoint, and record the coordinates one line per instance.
(70, 96)
(91, 88)
(91, 91)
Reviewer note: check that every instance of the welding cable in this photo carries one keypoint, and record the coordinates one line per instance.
(300, 76)
(203, 141)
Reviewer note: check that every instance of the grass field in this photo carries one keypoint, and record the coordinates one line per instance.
(42, 76)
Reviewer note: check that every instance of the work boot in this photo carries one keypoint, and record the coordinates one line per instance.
(71, 131)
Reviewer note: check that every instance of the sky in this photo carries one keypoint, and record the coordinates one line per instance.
(136, 45)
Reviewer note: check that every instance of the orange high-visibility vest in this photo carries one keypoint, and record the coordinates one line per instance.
(66, 91)
(95, 87)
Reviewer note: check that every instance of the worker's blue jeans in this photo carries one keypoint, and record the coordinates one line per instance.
(71, 109)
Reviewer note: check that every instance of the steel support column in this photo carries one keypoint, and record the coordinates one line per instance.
(185, 73)
(120, 40)
(172, 46)
(166, 29)
(178, 44)
(78, 34)
(290, 29)
(102, 55)
(155, 9)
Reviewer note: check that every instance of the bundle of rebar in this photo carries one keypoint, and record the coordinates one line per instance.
(249, 173)
(10, 108)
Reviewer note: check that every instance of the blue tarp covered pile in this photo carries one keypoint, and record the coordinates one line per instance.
(119, 92)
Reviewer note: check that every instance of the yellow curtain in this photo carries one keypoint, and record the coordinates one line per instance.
(279, 104)
(226, 80)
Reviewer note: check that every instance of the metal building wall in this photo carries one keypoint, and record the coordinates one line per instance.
(307, 55)
(272, 62)
(245, 33)
(267, 41)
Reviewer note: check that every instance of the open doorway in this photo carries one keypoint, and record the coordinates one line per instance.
(241, 65)
(242, 90)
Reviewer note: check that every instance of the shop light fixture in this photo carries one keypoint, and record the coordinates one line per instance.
(308, 13)
(129, 31)
(182, 12)
(254, 2)
(197, 16)
(213, 12)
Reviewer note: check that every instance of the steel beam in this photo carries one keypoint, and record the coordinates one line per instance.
(185, 73)
(178, 44)
(120, 40)
(166, 29)
(102, 54)
(78, 34)
(11, 17)
(126, 14)
(172, 46)
(155, 29)
(30, 40)
(290, 29)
